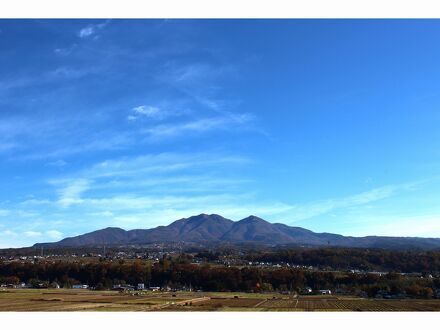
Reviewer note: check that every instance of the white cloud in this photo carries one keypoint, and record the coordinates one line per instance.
(91, 29)
(157, 112)
(65, 51)
(100, 142)
(87, 31)
(150, 211)
(309, 210)
(17, 213)
(6, 146)
(201, 75)
(148, 111)
(71, 192)
(102, 214)
(65, 72)
(424, 225)
(54, 234)
(4, 212)
(155, 164)
(16, 239)
(160, 132)
(8, 233)
(58, 163)
(161, 171)
(32, 233)
(34, 201)
(175, 183)
(172, 130)
(199, 81)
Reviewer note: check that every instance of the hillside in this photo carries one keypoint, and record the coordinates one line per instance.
(214, 228)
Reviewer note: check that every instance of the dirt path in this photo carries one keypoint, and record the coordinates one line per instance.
(181, 303)
(260, 303)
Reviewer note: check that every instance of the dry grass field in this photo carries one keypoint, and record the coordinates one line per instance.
(86, 300)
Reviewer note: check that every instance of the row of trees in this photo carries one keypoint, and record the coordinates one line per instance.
(180, 273)
(346, 258)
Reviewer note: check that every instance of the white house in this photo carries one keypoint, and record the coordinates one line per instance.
(325, 291)
(306, 290)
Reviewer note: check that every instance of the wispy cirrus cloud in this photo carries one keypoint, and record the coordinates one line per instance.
(54, 234)
(57, 163)
(60, 51)
(4, 212)
(197, 126)
(49, 77)
(153, 164)
(147, 111)
(151, 112)
(31, 233)
(144, 173)
(157, 180)
(313, 209)
(201, 83)
(71, 191)
(101, 141)
(18, 238)
(92, 29)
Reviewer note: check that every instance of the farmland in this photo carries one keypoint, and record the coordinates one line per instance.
(87, 300)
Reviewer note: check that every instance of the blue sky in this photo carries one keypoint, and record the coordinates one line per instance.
(330, 125)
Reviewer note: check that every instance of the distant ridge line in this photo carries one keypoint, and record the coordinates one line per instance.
(215, 229)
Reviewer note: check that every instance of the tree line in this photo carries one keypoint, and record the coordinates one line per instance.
(179, 273)
(349, 258)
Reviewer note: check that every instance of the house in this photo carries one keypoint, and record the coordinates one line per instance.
(141, 286)
(123, 287)
(306, 290)
(118, 288)
(325, 291)
(40, 285)
(154, 288)
(80, 286)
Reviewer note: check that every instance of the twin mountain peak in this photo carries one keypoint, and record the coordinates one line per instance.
(215, 229)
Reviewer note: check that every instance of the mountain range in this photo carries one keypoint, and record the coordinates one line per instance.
(215, 229)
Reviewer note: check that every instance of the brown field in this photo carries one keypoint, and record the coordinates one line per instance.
(85, 300)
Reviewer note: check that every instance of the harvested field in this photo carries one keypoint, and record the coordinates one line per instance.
(85, 300)
(230, 302)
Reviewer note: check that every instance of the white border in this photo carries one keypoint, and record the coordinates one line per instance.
(219, 320)
(220, 9)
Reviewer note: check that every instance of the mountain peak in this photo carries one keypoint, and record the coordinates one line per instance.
(213, 228)
(204, 217)
(112, 229)
(252, 219)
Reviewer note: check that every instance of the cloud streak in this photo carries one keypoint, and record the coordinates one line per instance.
(70, 194)
(310, 210)
(160, 132)
(92, 29)
(147, 111)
